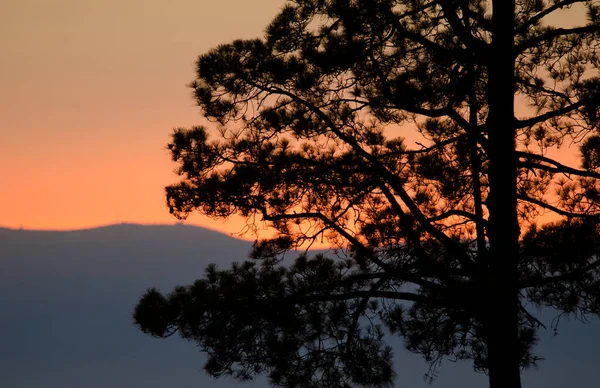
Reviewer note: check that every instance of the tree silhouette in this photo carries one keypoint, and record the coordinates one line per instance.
(387, 129)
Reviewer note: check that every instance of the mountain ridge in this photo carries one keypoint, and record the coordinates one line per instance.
(116, 226)
(67, 299)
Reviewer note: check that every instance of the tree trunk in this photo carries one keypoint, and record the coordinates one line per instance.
(501, 313)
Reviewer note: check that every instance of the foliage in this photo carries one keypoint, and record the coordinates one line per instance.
(385, 128)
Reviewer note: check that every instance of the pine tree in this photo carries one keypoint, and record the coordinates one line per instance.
(387, 129)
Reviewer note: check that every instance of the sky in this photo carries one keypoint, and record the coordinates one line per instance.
(90, 91)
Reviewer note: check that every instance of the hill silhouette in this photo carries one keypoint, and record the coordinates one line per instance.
(58, 287)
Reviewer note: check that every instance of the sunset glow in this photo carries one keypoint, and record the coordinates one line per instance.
(90, 92)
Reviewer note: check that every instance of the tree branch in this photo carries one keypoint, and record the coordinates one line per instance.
(415, 37)
(532, 320)
(465, 36)
(549, 115)
(393, 180)
(414, 239)
(540, 281)
(330, 223)
(553, 34)
(457, 212)
(358, 312)
(559, 167)
(556, 210)
(539, 16)
(305, 299)
(436, 146)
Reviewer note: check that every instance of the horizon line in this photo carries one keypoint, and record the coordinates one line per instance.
(233, 235)
(106, 225)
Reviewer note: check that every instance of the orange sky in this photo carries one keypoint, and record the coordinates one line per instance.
(90, 90)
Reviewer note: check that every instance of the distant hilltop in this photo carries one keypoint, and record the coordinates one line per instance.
(125, 227)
